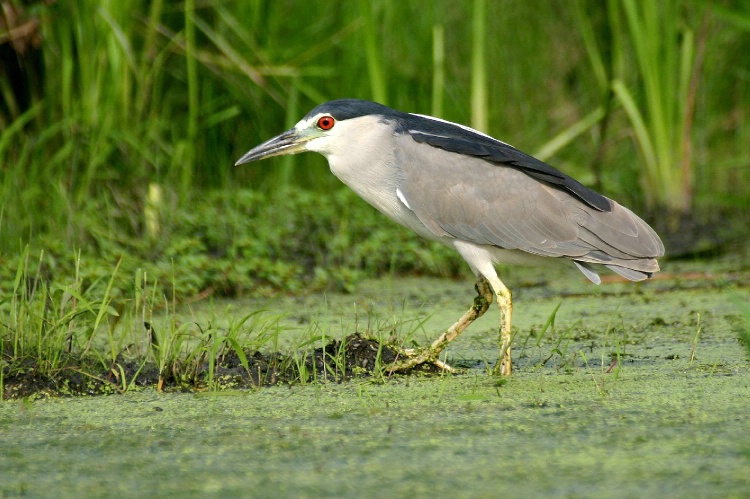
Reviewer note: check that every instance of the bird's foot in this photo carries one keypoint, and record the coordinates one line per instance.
(409, 358)
(504, 364)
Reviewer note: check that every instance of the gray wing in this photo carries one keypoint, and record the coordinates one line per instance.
(470, 199)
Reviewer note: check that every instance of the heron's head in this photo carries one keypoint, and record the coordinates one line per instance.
(329, 129)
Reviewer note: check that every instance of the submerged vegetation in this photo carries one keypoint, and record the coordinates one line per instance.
(120, 122)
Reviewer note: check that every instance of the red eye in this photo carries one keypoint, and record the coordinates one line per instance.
(326, 122)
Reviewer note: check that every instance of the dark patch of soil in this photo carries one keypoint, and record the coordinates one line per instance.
(339, 360)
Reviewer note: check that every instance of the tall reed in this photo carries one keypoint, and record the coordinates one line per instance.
(170, 93)
(479, 84)
(660, 105)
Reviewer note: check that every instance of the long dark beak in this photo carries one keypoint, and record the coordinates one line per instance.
(289, 142)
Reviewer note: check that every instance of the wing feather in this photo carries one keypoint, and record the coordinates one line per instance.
(467, 198)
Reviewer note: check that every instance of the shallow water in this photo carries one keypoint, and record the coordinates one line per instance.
(671, 420)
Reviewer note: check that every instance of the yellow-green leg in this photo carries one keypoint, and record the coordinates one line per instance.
(416, 357)
(504, 365)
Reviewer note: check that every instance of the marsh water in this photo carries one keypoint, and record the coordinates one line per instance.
(632, 390)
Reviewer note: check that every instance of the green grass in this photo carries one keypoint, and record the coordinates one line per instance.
(87, 309)
(121, 337)
(118, 138)
(123, 96)
(241, 244)
(96, 327)
(665, 51)
(108, 324)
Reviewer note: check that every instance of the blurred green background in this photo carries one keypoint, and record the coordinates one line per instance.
(120, 122)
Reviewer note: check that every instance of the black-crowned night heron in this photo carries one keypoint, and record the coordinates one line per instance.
(478, 195)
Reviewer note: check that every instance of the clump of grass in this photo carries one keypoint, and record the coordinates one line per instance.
(662, 118)
(743, 326)
(78, 337)
(365, 352)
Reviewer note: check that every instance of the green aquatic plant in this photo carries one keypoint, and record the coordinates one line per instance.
(662, 105)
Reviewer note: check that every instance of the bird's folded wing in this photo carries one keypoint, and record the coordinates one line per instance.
(474, 200)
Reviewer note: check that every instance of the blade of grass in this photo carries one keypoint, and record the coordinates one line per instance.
(565, 137)
(438, 69)
(193, 103)
(104, 306)
(373, 55)
(479, 101)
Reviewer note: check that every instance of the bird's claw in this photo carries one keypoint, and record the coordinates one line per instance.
(409, 358)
